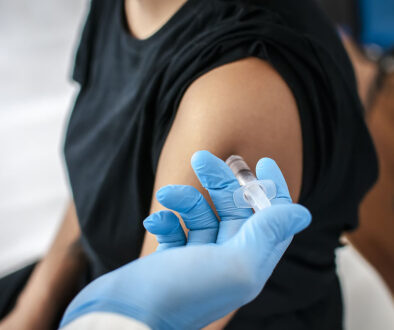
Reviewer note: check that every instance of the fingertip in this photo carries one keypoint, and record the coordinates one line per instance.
(202, 160)
(161, 222)
(212, 171)
(266, 163)
(200, 156)
(163, 192)
(268, 169)
(149, 223)
(172, 192)
(179, 198)
(261, 161)
(301, 216)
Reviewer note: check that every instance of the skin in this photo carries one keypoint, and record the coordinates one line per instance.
(53, 282)
(241, 108)
(145, 17)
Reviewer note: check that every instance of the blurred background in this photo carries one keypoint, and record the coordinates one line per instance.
(36, 95)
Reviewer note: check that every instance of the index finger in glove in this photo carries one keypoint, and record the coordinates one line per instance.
(194, 210)
(219, 180)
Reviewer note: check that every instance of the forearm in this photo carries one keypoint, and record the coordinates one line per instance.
(55, 279)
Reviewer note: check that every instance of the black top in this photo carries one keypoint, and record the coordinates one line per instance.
(130, 92)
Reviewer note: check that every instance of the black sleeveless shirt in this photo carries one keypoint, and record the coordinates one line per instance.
(130, 90)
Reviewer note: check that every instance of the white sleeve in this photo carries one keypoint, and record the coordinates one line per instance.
(102, 320)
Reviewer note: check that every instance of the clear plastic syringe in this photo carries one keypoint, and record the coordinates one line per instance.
(253, 193)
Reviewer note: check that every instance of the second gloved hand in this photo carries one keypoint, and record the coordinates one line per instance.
(197, 215)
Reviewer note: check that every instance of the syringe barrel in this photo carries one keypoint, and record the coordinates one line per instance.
(256, 196)
(253, 192)
(240, 169)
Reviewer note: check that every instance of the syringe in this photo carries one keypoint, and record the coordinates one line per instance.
(253, 193)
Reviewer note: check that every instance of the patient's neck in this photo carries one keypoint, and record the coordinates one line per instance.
(145, 17)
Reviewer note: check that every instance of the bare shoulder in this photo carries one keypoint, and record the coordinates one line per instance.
(241, 108)
(246, 108)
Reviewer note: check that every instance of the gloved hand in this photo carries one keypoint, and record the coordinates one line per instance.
(188, 287)
(219, 180)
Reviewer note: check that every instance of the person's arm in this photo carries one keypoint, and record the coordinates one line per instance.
(54, 281)
(225, 112)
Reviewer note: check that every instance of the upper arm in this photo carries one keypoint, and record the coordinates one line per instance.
(242, 108)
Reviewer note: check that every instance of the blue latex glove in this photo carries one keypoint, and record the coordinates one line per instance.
(219, 180)
(188, 287)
